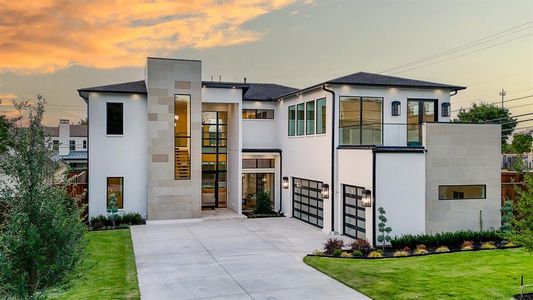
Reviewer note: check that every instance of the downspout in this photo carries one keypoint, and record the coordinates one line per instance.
(374, 196)
(280, 182)
(332, 196)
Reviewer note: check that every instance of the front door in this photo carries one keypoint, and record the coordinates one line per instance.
(214, 138)
(419, 111)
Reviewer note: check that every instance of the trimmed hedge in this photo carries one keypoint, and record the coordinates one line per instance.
(121, 219)
(450, 239)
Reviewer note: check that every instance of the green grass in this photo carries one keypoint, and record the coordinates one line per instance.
(109, 270)
(491, 274)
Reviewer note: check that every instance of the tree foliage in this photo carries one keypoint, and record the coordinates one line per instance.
(263, 203)
(384, 230)
(521, 143)
(42, 236)
(4, 134)
(483, 112)
(522, 221)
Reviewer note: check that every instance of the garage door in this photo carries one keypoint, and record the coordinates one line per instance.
(307, 205)
(354, 223)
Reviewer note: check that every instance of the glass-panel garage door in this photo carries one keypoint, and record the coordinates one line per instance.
(307, 205)
(354, 223)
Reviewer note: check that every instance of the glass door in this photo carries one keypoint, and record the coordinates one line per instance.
(214, 138)
(253, 183)
(419, 111)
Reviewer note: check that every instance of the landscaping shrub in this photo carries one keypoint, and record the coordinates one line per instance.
(102, 221)
(332, 244)
(420, 251)
(337, 252)
(361, 245)
(357, 253)
(263, 203)
(442, 249)
(376, 253)
(467, 245)
(346, 255)
(488, 245)
(400, 253)
(421, 247)
(452, 239)
(318, 252)
(131, 219)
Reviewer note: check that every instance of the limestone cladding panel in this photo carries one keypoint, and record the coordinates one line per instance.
(169, 198)
(461, 154)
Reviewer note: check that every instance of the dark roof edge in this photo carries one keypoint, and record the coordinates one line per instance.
(177, 59)
(385, 149)
(254, 150)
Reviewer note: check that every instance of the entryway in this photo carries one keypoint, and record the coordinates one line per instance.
(214, 158)
(419, 111)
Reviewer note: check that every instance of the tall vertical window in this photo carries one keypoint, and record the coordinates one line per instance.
(115, 118)
(182, 137)
(292, 120)
(360, 121)
(321, 115)
(310, 117)
(115, 191)
(72, 145)
(300, 119)
(84, 144)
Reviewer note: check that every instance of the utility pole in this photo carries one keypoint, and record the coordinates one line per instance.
(503, 93)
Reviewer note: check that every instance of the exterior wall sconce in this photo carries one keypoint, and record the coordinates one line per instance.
(395, 108)
(324, 191)
(445, 109)
(366, 201)
(285, 183)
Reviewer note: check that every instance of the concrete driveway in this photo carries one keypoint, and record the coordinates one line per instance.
(232, 259)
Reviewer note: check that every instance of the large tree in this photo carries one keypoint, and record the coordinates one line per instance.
(489, 113)
(521, 143)
(42, 235)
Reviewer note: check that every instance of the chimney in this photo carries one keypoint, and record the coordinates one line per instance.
(219, 78)
(64, 137)
(244, 79)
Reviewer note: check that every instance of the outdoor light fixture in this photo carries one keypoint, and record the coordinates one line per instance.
(445, 109)
(324, 191)
(395, 108)
(366, 201)
(285, 183)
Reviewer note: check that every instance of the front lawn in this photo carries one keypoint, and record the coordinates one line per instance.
(493, 274)
(109, 270)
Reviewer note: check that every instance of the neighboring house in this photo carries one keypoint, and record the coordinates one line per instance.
(509, 161)
(329, 154)
(70, 142)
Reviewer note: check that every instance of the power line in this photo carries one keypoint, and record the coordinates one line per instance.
(462, 47)
(511, 129)
(522, 115)
(510, 100)
(457, 56)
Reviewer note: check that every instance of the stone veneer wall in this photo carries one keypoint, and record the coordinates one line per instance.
(460, 154)
(169, 198)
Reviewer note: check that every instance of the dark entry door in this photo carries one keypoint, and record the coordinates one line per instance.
(354, 221)
(419, 111)
(307, 204)
(214, 151)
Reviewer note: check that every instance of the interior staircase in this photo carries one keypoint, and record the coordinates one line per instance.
(183, 163)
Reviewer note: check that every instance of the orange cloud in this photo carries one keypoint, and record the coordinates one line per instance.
(46, 35)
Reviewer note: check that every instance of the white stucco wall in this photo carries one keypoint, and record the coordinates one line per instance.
(234, 173)
(400, 190)
(462, 154)
(259, 133)
(118, 156)
(221, 95)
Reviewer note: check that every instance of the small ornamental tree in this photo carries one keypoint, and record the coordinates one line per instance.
(112, 209)
(42, 237)
(263, 203)
(507, 216)
(522, 222)
(383, 236)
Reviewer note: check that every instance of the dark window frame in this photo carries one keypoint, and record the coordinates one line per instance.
(318, 129)
(187, 136)
(256, 113)
(358, 208)
(361, 114)
(293, 131)
(310, 130)
(272, 162)
(84, 144)
(298, 119)
(396, 108)
(484, 189)
(72, 145)
(445, 109)
(55, 145)
(299, 192)
(109, 127)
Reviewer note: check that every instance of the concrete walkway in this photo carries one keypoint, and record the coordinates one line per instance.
(232, 259)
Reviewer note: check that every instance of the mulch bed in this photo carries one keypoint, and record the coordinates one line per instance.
(527, 296)
(252, 215)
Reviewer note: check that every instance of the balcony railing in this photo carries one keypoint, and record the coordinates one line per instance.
(381, 134)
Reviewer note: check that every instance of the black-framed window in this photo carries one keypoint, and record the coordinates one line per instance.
(310, 117)
(115, 118)
(462, 192)
(300, 119)
(260, 163)
(55, 145)
(445, 109)
(395, 108)
(361, 120)
(115, 188)
(263, 114)
(72, 145)
(292, 120)
(182, 137)
(84, 144)
(354, 221)
(321, 116)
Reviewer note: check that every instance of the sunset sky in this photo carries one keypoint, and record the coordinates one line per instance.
(53, 47)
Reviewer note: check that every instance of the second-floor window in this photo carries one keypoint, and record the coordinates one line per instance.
(72, 145)
(300, 119)
(84, 144)
(321, 116)
(310, 117)
(265, 114)
(292, 120)
(360, 121)
(115, 118)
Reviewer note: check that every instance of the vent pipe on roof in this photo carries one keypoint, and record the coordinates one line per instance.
(244, 79)
(219, 78)
(211, 77)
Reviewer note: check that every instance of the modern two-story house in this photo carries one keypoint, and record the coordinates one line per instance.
(329, 155)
